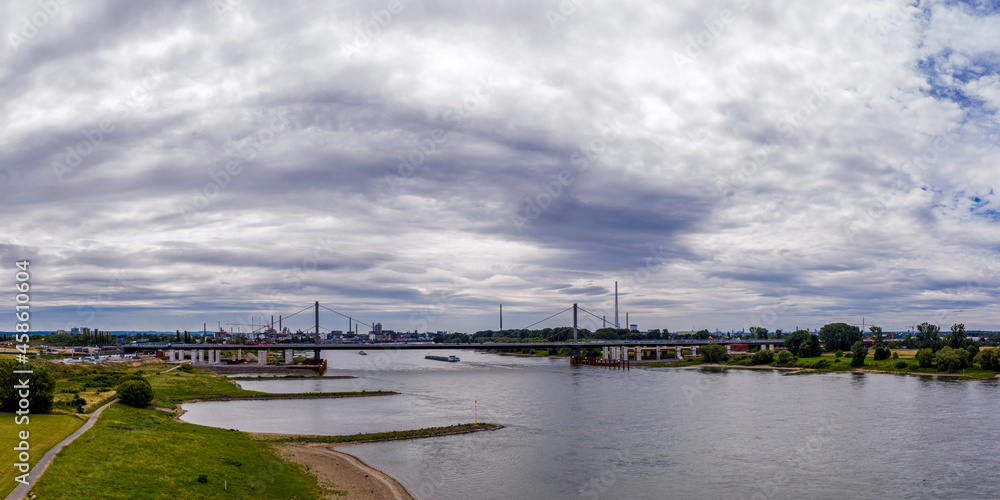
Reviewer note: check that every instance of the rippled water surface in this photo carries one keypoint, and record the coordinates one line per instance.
(581, 431)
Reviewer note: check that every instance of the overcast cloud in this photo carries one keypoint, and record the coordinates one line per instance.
(414, 162)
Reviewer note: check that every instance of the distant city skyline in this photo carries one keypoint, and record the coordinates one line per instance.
(416, 164)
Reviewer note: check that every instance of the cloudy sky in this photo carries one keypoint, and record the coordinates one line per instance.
(418, 162)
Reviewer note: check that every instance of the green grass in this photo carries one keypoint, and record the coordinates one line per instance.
(45, 431)
(178, 386)
(145, 454)
(379, 436)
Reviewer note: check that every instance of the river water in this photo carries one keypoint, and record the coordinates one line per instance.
(589, 432)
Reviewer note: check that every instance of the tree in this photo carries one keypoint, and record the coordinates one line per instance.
(135, 393)
(41, 387)
(839, 336)
(762, 357)
(178, 336)
(654, 334)
(702, 334)
(988, 359)
(951, 359)
(927, 336)
(778, 333)
(925, 357)
(877, 335)
(758, 332)
(858, 353)
(881, 352)
(956, 339)
(796, 339)
(713, 353)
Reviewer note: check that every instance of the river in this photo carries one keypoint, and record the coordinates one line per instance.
(589, 432)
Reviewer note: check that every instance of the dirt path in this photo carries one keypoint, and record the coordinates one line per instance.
(344, 473)
(22, 489)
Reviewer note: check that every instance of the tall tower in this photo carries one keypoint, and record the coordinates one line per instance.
(616, 305)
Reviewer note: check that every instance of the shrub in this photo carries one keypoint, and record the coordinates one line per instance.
(762, 357)
(203, 478)
(186, 368)
(881, 353)
(785, 358)
(895, 355)
(135, 393)
(925, 357)
(951, 359)
(858, 353)
(901, 364)
(821, 364)
(848, 355)
(988, 359)
(839, 354)
(713, 353)
(972, 349)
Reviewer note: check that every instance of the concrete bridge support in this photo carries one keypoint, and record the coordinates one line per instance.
(170, 355)
(694, 351)
(729, 349)
(769, 347)
(604, 353)
(261, 357)
(288, 356)
(201, 356)
(239, 354)
(659, 354)
(193, 356)
(677, 352)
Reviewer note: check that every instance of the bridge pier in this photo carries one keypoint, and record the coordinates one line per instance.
(694, 351)
(677, 352)
(261, 357)
(316, 354)
(729, 349)
(604, 353)
(288, 356)
(192, 354)
(239, 354)
(659, 353)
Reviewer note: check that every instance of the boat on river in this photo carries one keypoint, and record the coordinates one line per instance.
(450, 359)
(363, 353)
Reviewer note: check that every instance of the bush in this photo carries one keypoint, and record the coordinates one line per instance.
(839, 354)
(713, 353)
(972, 349)
(135, 393)
(762, 357)
(988, 359)
(186, 368)
(881, 353)
(901, 364)
(925, 357)
(951, 359)
(203, 478)
(785, 358)
(895, 355)
(848, 355)
(821, 364)
(858, 353)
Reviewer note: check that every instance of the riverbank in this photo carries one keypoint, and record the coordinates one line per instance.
(342, 475)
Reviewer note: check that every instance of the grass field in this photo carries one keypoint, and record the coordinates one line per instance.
(178, 386)
(45, 431)
(146, 454)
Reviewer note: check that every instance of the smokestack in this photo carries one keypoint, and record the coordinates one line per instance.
(616, 305)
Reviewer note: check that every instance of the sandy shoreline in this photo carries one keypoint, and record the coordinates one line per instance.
(341, 472)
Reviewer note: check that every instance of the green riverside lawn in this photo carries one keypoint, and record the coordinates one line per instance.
(144, 453)
(45, 431)
(844, 365)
